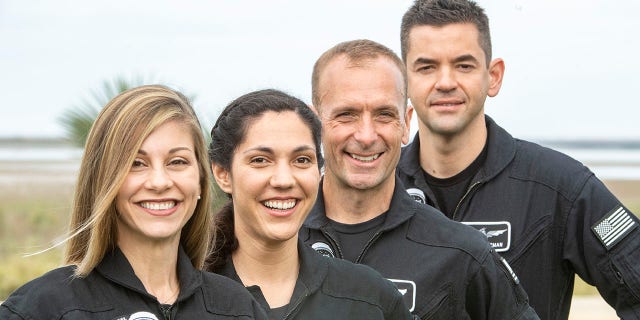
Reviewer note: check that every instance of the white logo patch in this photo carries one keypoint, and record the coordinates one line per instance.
(408, 290)
(323, 249)
(141, 315)
(498, 233)
(417, 195)
(613, 227)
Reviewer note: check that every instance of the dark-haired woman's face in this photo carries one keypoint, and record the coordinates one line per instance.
(274, 178)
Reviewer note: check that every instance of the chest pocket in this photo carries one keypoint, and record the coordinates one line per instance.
(532, 242)
(439, 306)
(625, 269)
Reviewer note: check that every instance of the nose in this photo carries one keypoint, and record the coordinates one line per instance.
(366, 133)
(159, 179)
(282, 177)
(446, 80)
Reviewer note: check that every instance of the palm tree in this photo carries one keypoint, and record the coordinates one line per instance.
(77, 121)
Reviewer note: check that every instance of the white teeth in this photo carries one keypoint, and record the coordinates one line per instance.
(280, 205)
(158, 205)
(369, 158)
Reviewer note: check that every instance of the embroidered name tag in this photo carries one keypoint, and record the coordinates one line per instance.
(408, 290)
(498, 233)
(613, 227)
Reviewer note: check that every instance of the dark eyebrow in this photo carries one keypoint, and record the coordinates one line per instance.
(270, 151)
(465, 58)
(261, 149)
(173, 150)
(304, 148)
(424, 61)
(462, 58)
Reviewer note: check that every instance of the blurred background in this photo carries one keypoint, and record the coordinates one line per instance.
(569, 84)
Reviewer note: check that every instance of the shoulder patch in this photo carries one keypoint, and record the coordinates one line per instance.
(613, 227)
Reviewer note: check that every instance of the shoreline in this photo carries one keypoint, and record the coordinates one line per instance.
(41, 174)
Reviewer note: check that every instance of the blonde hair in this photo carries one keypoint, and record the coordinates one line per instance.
(111, 147)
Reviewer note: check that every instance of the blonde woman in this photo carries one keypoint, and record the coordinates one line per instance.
(140, 223)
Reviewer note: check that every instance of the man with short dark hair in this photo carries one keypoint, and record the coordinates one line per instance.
(546, 213)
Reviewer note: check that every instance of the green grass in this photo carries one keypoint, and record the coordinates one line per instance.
(29, 221)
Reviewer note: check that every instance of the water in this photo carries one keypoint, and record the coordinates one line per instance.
(606, 163)
(40, 153)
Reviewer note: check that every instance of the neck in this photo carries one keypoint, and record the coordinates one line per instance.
(273, 267)
(156, 267)
(445, 156)
(348, 205)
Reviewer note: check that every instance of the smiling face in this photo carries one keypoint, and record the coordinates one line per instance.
(274, 178)
(161, 190)
(449, 79)
(364, 122)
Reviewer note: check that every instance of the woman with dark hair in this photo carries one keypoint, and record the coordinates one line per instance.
(141, 211)
(265, 153)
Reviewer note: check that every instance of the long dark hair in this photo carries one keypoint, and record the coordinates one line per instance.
(229, 132)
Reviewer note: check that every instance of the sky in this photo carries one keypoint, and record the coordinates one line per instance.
(571, 65)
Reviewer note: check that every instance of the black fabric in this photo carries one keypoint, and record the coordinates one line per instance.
(278, 313)
(446, 270)
(329, 288)
(449, 191)
(550, 202)
(355, 236)
(112, 291)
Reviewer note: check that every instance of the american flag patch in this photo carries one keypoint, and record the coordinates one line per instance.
(614, 227)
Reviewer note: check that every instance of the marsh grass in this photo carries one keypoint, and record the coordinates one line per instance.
(31, 219)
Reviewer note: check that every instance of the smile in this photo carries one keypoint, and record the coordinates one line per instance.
(280, 204)
(165, 205)
(365, 159)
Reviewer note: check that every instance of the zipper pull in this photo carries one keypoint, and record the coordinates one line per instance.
(166, 312)
(617, 274)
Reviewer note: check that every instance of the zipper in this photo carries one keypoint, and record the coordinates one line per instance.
(166, 312)
(334, 243)
(295, 306)
(453, 217)
(617, 274)
(366, 247)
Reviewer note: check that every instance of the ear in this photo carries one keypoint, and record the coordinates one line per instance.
(223, 178)
(496, 73)
(407, 124)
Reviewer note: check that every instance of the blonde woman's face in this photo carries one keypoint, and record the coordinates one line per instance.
(161, 190)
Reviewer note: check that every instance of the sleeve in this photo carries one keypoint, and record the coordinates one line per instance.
(495, 292)
(7, 314)
(602, 244)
